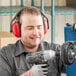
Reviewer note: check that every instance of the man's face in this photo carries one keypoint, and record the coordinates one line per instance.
(31, 30)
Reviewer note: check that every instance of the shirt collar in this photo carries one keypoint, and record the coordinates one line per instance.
(20, 50)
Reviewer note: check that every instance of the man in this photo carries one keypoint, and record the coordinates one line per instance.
(13, 56)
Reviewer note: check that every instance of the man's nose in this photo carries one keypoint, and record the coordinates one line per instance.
(35, 31)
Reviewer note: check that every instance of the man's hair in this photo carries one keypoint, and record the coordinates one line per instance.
(28, 10)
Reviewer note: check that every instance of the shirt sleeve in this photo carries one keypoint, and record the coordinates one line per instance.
(5, 69)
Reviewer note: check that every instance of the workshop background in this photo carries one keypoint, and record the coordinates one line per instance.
(65, 12)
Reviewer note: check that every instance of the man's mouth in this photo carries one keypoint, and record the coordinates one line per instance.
(35, 38)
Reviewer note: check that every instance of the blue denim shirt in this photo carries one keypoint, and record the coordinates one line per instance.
(13, 63)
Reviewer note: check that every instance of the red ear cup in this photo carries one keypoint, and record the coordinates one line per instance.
(15, 29)
(45, 25)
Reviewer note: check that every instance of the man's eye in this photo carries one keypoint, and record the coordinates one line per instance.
(39, 27)
(29, 28)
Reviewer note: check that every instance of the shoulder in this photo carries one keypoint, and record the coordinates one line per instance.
(10, 48)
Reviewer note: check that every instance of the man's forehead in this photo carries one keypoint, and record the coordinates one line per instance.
(33, 25)
(32, 19)
(34, 15)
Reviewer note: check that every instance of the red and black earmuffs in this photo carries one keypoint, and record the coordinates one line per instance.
(15, 26)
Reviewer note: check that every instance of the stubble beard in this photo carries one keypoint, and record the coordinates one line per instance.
(30, 45)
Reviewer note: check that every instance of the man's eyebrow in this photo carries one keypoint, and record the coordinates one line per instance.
(33, 26)
(30, 26)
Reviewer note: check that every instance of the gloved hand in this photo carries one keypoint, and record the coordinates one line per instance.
(39, 70)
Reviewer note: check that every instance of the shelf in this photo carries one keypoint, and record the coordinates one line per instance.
(65, 11)
(62, 10)
(12, 10)
(9, 10)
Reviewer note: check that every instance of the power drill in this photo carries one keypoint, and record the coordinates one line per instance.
(65, 52)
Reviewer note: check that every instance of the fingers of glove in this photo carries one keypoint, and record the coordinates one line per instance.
(43, 73)
(43, 65)
(39, 70)
(44, 69)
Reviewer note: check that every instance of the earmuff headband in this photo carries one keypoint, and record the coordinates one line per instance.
(15, 26)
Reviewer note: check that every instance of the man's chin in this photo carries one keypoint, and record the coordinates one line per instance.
(35, 44)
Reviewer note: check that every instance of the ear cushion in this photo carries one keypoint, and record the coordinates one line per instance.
(15, 29)
(45, 25)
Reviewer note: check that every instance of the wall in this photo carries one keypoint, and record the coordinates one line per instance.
(71, 3)
(28, 2)
(60, 23)
(60, 20)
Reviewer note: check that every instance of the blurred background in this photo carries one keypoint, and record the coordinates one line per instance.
(64, 12)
